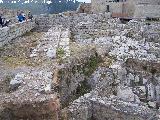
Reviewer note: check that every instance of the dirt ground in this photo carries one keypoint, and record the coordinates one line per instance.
(14, 57)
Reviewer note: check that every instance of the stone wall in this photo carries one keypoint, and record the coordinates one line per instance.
(142, 65)
(14, 30)
(143, 11)
(105, 108)
(137, 8)
(46, 21)
(152, 2)
(116, 7)
(84, 8)
(113, 7)
(98, 6)
(92, 107)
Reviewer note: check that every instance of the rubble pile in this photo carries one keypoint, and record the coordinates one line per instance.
(135, 50)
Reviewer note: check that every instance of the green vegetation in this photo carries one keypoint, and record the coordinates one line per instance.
(4, 85)
(91, 66)
(82, 89)
(28, 34)
(60, 52)
(84, 69)
(130, 34)
(153, 71)
(107, 61)
(39, 7)
(16, 61)
(8, 78)
(2, 48)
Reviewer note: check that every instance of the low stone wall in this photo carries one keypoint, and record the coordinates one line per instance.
(46, 21)
(105, 108)
(83, 26)
(90, 107)
(13, 31)
(88, 31)
(142, 65)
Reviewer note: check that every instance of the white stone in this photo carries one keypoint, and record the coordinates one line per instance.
(33, 55)
(130, 76)
(152, 104)
(127, 94)
(15, 82)
(48, 88)
(137, 79)
(51, 53)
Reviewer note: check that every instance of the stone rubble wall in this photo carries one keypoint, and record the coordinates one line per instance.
(105, 108)
(82, 26)
(88, 31)
(46, 21)
(142, 65)
(85, 26)
(125, 107)
(90, 106)
(14, 30)
(93, 105)
(30, 96)
(38, 97)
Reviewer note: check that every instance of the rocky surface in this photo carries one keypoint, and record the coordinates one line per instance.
(116, 64)
(135, 53)
(50, 78)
